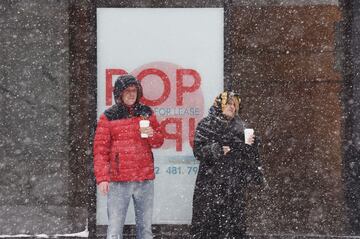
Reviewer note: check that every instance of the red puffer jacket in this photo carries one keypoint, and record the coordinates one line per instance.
(120, 154)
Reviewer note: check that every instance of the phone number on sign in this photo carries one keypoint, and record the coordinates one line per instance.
(177, 170)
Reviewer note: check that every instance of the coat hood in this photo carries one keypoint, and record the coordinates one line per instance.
(123, 82)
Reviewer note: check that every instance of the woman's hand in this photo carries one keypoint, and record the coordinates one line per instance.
(226, 149)
(250, 140)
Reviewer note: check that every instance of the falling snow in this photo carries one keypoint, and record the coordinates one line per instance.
(295, 64)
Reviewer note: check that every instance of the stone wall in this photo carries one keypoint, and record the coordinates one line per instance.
(36, 185)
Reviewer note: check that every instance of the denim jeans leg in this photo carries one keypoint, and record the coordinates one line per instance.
(143, 202)
(118, 202)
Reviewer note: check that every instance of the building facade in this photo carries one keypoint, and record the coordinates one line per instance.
(294, 63)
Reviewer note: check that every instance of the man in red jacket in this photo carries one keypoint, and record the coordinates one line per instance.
(123, 160)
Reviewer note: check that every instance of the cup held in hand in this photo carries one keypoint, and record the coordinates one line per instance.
(248, 135)
(144, 124)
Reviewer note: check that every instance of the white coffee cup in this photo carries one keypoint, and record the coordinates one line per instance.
(248, 135)
(144, 124)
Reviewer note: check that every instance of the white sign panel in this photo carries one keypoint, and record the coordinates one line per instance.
(177, 54)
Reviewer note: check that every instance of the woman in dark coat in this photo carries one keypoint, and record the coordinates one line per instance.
(227, 165)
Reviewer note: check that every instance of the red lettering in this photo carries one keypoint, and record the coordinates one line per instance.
(191, 131)
(177, 135)
(180, 88)
(166, 83)
(108, 84)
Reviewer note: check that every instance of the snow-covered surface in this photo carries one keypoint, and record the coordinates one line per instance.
(306, 236)
(285, 2)
(84, 233)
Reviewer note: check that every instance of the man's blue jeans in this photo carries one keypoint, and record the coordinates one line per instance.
(119, 197)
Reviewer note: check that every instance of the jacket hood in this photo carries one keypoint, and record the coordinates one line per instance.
(119, 111)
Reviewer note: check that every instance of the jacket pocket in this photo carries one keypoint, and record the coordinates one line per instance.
(117, 163)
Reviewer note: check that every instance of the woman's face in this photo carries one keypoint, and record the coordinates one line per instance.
(230, 109)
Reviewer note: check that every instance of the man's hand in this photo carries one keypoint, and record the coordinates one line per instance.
(104, 188)
(147, 130)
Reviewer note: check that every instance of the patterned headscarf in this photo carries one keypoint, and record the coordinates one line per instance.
(224, 98)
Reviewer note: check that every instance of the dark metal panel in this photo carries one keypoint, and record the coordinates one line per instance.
(82, 105)
(351, 103)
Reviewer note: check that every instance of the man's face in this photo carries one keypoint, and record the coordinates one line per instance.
(129, 95)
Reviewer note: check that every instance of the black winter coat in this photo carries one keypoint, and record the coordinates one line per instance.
(219, 196)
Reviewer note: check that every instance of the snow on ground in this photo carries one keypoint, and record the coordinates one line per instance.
(78, 234)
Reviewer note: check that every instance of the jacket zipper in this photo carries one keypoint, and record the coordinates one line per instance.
(117, 162)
